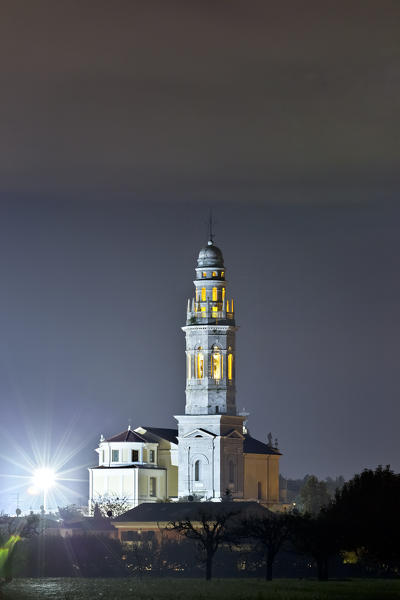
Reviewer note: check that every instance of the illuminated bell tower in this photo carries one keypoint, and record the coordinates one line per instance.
(210, 339)
(210, 433)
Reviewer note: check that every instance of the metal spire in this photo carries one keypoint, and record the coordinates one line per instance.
(210, 230)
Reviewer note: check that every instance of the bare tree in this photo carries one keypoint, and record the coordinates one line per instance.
(109, 506)
(270, 532)
(209, 529)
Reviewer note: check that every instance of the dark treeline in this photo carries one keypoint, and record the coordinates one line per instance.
(310, 492)
(97, 556)
(355, 534)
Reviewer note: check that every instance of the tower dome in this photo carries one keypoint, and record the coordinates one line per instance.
(210, 256)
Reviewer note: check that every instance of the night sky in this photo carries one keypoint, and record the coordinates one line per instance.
(121, 124)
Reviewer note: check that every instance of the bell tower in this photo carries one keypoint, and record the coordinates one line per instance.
(210, 339)
(210, 433)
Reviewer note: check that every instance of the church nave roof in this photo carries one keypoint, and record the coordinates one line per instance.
(127, 436)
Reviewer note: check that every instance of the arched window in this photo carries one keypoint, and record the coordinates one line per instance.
(223, 294)
(203, 294)
(216, 363)
(214, 273)
(227, 306)
(231, 472)
(189, 367)
(204, 274)
(200, 364)
(222, 273)
(230, 365)
(197, 470)
(214, 294)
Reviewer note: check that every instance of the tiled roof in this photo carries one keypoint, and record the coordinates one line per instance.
(127, 436)
(253, 446)
(175, 511)
(250, 444)
(90, 524)
(170, 435)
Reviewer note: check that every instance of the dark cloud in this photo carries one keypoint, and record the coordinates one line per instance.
(186, 99)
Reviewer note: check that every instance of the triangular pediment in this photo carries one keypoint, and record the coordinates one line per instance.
(235, 434)
(200, 433)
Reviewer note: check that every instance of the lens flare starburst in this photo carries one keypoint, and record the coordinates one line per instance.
(43, 469)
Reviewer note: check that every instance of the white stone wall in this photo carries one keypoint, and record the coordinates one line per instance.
(203, 438)
(132, 484)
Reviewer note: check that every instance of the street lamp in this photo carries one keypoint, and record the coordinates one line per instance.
(43, 479)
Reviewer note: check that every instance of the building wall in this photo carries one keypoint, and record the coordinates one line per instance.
(204, 438)
(131, 484)
(168, 458)
(263, 469)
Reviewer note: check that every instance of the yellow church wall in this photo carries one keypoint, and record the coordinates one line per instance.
(263, 468)
(172, 482)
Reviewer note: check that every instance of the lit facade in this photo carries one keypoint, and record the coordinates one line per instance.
(212, 453)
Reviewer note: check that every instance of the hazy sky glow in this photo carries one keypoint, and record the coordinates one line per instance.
(93, 298)
(121, 123)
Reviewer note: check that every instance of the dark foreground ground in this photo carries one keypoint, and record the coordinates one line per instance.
(196, 589)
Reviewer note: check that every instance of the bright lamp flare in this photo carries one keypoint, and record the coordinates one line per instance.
(44, 478)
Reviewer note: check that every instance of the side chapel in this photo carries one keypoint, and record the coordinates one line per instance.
(211, 453)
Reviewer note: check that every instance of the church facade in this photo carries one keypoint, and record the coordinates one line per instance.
(211, 454)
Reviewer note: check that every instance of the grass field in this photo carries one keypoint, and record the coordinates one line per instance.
(196, 589)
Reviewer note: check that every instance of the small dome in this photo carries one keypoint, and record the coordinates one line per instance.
(210, 256)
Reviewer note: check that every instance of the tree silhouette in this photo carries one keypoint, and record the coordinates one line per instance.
(209, 529)
(318, 536)
(367, 507)
(269, 532)
(314, 495)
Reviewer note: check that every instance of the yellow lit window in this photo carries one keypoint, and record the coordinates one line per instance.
(203, 310)
(189, 366)
(223, 294)
(214, 294)
(203, 294)
(200, 365)
(214, 311)
(216, 364)
(214, 273)
(204, 274)
(197, 294)
(230, 366)
(222, 273)
(227, 306)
